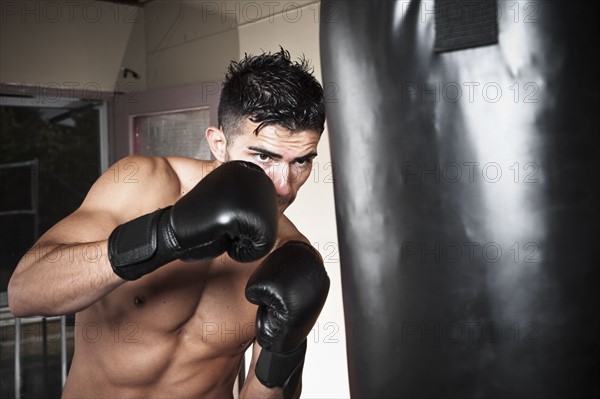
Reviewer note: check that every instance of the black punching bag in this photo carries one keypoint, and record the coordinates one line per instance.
(465, 142)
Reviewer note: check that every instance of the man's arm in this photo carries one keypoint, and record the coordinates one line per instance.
(68, 268)
(290, 288)
(253, 388)
(233, 209)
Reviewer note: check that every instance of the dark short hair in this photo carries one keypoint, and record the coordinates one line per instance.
(270, 89)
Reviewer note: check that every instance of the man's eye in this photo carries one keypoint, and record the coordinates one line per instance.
(263, 157)
(303, 162)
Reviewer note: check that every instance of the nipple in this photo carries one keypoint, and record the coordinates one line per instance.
(139, 301)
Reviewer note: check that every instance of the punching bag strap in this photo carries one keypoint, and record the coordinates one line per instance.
(464, 24)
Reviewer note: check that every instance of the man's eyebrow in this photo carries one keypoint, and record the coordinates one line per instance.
(279, 156)
(306, 157)
(266, 152)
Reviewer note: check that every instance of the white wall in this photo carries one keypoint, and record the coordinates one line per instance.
(325, 373)
(71, 44)
(188, 42)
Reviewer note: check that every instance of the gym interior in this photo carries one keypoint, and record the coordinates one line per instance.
(452, 199)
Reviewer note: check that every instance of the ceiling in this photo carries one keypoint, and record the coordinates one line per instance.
(137, 3)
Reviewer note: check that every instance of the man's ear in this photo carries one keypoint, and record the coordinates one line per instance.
(217, 142)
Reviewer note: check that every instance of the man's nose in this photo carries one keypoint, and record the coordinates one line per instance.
(282, 179)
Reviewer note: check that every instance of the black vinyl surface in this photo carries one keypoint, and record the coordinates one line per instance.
(467, 195)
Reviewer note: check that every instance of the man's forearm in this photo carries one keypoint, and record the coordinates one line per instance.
(56, 279)
(253, 388)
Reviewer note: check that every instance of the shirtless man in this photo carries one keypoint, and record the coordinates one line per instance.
(165, 274)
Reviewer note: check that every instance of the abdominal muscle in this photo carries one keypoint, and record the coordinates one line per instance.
(164, 370)
(179, 332)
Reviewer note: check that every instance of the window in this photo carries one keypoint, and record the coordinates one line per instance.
(178, 133)
(50, 155)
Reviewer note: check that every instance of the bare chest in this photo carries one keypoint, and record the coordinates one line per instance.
(200, 306)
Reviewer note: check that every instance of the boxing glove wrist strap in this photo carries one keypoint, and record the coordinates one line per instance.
(142, 245)
(275, 369)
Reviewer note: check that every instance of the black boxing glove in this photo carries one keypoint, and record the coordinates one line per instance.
(290, 288)
(233, 209)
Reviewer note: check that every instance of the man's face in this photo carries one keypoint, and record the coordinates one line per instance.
(285, 156)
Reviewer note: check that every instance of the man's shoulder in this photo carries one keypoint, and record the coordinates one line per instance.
(169, 170)
(190, 171)
(137, 172)
(139, 184)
